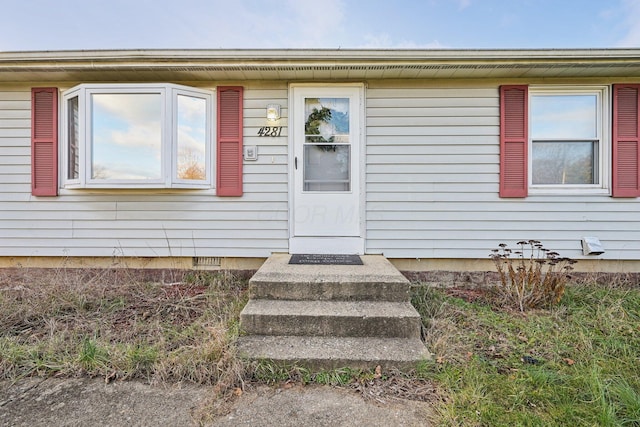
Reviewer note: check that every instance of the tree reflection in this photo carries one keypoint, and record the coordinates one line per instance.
(563, 162)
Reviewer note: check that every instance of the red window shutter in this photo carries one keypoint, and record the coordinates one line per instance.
(626, 141)
(229, 143)
(514, 136)
(44, 141)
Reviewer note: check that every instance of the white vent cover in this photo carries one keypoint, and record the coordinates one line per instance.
(592, 246)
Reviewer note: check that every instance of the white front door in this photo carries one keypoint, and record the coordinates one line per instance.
(326, 140)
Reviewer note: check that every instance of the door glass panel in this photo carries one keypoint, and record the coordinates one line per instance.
(327, 150)
(326, 168)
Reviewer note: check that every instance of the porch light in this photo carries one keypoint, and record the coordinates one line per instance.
(273, 112)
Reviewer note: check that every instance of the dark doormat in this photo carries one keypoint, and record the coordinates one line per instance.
(325, 259)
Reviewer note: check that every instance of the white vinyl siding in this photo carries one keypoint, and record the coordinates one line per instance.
(433, 175)
(432, 156)
(146, 223)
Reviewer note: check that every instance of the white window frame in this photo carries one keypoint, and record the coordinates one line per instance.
(169, 141)
(603, 118)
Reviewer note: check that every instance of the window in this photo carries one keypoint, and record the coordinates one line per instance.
(137, 136)
(567, 147)
(557, 140)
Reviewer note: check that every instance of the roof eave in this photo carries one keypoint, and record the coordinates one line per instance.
(271, 62)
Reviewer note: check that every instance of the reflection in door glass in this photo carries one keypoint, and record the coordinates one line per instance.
(326, 168)
(326, 165)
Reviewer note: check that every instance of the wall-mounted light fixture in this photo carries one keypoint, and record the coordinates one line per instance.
(273, 112)
(592, 246)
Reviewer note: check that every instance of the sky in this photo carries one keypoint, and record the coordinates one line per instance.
(28, 25)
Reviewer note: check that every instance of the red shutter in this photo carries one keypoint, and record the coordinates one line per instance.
(229, 144)
(514, 137)
(626, 141)
(44, 141)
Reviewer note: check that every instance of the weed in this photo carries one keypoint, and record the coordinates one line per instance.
(92, 358)
(270, 372)
(536, 277)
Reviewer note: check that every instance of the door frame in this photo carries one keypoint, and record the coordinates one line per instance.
(335, 244)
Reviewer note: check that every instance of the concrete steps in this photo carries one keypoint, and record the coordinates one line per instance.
(336, 352)
(331, 316)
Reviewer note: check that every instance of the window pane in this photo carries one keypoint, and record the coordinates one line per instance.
(326, 151)
(326, 120)
(564, 116)
(126, 136)
(73, 130)
(326, 168)
(191, 144)
(564, 162)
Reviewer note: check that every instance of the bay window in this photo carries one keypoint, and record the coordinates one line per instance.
(137, 136)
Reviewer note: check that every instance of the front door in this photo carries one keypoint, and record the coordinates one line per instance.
(326, 127)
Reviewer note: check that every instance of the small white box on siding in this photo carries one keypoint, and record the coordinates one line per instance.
(250, 152)
(592, 246)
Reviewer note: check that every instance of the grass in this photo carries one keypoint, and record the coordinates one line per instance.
(575, 364)
(106, 324)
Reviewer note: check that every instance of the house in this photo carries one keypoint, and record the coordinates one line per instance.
(430, 157)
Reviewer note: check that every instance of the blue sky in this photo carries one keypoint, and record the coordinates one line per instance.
(457, 24)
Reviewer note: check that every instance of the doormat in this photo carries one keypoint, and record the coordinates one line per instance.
(325, 259)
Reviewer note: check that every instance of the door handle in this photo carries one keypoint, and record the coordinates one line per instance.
(295, 163)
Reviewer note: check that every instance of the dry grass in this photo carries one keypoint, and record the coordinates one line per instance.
(107, 323)
(394, 385)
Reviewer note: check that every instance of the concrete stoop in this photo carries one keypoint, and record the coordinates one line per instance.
(331, 316)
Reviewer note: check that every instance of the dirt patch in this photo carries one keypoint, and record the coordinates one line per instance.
(482, 295)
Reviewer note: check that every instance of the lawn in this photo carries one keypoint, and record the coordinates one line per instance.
(577, 363)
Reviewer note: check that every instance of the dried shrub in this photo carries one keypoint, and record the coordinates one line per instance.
(533, 276)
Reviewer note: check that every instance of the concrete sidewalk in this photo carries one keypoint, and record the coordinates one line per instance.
(38, 402)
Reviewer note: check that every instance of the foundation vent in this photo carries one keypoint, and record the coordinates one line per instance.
(206, 261)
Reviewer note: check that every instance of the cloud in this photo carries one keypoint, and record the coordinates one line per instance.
(632, 24)
(250, 24)
(130, 108)
(142, 135)
(384, 41)
(314, 24)
(191, 140)
(463, 4)
(559, 117)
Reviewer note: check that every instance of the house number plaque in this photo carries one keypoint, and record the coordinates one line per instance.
(272, 131)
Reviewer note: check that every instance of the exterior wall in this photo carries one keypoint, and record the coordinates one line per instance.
(433, 176)
(432, 160)
(146, 223)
